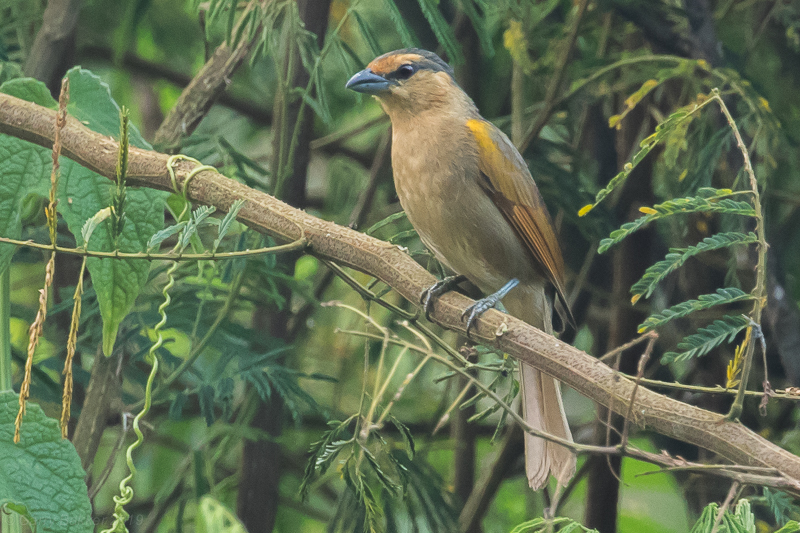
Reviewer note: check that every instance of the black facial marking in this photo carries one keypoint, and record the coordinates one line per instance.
(403, 72)
(427, 61)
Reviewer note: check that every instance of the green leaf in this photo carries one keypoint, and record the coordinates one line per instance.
(529, 525)
(780, 503)
(790, 527)
(23, 172)
(41, 477)
(323, 452)
(91, 224)
(366, 32)
(565, 525)
(164, 234)
(384, 479)
(442, 30)
(82, 194)
(704, 301)
(708, 338)
(30, 90)
(745, 516)
(707, 519)
(196, 220)
(678, 256)
(407, 437)
(400, 25)
(388, 220)
(213, 517)
(90, 102)
(227, 221)
(679, 206)
(662, 132)
(117, 282)
(732, 524)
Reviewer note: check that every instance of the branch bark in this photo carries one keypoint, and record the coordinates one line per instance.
(201, 93)
(394, 267)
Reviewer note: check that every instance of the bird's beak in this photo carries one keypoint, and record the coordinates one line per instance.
(368, 82)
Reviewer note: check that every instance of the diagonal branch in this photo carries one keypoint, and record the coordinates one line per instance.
(394, 267)
(201, 93)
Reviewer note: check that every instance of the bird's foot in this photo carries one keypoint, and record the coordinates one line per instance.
(437, 289)
(481, 306)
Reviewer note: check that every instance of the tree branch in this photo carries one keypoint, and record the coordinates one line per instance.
(201, 93)
(394, 267)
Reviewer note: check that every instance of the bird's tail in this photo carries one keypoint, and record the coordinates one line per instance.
(542, 407)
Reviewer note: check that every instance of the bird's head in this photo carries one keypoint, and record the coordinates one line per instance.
(409, 80)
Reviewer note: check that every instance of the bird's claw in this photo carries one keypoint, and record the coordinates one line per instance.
(484, 304)
(477, 309)
(437, 289)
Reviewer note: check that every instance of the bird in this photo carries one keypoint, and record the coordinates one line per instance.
(468, 193)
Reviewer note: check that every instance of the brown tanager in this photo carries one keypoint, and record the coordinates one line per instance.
(470, 196)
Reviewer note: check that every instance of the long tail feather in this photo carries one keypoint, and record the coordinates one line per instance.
(542, 406)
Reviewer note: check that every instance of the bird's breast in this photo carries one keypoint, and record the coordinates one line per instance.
(436, 175)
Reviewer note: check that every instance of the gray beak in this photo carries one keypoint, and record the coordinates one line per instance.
(368, 82)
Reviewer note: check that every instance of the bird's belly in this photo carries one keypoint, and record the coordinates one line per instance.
(466, 232)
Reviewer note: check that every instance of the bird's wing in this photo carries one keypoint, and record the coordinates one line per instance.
(508, 182)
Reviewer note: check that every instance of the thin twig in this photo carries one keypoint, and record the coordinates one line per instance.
(297, 245)
(331, 242)
(762, 476)
(365, 199)
(760, 290)
(724, 507)
(627, 345)
(713, 390)
(110, 462)
(554, 88)
(639, 372)
(339, 136)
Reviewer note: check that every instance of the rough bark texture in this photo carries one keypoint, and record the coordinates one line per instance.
(393, 266)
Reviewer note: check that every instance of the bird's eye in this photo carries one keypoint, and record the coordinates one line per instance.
(405, 72)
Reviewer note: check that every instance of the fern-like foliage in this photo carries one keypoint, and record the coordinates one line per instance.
(708, 338)
(678, 119)
(560, 524)
(370, 467)
(696, 204)
(442, 30)
(705, 301)
(678, 256)
(741, 520)
(406, 35)
(325, 450)
(781, 505)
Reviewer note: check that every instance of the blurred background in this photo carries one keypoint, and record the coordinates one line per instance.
(237, 424)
